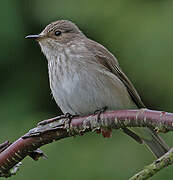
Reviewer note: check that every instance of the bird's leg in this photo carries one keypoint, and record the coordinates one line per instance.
(105, 131)
(64, 116)
(99, 111)
(68, 122)
(70, 117)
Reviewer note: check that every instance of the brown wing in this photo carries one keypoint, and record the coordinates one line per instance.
(105, 58)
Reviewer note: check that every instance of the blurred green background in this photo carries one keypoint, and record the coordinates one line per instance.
(138, 32)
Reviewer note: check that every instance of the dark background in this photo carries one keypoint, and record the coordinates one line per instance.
(138, 32)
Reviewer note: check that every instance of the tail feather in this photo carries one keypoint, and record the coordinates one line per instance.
(157, 145)
(149, 137)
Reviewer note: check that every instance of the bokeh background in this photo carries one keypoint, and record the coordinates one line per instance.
(138, 32)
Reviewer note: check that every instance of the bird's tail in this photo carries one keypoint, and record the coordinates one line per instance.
(156, 144)
(153, 141)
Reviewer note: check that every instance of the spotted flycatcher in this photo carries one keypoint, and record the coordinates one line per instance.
(84, 76)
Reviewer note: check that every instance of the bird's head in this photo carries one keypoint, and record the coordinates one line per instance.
(56, 35)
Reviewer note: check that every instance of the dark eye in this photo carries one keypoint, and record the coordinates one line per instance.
(57, 33)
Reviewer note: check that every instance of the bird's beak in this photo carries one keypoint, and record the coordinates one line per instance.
(35, 37)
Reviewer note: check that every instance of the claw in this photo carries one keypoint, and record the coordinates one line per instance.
(102, 110)
(105, 132)
(99, 111)
(70, 117)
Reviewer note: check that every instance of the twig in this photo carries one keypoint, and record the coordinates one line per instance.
(44, 134)
(150, 170)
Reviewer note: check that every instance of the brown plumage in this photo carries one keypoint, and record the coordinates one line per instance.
(84, 76)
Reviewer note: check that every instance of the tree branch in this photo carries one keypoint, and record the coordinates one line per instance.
(11, 155)
(150, 170)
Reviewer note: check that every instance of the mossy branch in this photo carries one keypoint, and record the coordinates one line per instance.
(150, 170)
(12, 154)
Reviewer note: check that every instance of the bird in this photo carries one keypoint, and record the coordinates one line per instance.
(85, 76)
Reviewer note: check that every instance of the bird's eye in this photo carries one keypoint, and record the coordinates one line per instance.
(57, 33)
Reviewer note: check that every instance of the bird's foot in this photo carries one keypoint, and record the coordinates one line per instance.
(105, 131)
(70, 117)
(99, 111)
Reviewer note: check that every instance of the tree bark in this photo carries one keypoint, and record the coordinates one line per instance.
(11, 155)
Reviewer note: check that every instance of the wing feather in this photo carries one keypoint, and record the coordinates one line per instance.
(108, 60)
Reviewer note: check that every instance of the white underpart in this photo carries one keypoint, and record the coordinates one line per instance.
(81, 86)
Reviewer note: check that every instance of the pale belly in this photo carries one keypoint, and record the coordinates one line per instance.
(85, 92)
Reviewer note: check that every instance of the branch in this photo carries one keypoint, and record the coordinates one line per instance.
(150, 170)
(11, 155)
